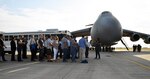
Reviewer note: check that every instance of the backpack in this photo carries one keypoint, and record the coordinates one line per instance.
(84, 61)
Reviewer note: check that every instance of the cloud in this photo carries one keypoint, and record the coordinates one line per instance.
(133, 15)
(29, 18)
(26, 19)
(74, 15)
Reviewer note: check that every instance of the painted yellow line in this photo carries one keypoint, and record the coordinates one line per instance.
(134, 62)
(139, 64)
(144, 56)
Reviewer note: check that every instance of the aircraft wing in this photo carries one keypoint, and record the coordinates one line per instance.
(134, 36)
(79, 33)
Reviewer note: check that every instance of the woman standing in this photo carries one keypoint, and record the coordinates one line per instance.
(55, 46)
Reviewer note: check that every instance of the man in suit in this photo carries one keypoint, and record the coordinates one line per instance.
(13, 48)
(24, 54)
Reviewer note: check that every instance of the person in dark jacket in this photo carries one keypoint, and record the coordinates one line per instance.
(20, 44)
(2, 54)
(87, 48)
(97, 49)
(24, 54)
(139, 47)
(33, 48)
(134, 48)
(41, 47)
(13, 49)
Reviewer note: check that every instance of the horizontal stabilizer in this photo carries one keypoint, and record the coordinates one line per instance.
(90, 25)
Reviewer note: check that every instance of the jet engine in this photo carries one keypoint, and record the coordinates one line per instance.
(135, 37)
(147, 40)
(92, 42)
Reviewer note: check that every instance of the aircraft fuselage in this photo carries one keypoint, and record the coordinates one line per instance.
(107, 29)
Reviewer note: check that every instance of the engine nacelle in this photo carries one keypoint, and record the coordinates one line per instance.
(92, 42)
(147, 40)
(135, 37)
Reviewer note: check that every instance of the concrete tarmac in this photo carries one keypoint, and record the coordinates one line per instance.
(113, 65)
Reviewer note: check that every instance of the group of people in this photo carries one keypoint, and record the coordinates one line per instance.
(137, 48)
(48, 47)
(21, 47)
(70, 47)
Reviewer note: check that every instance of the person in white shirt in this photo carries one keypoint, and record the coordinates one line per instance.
(55, 47)
(49, 48)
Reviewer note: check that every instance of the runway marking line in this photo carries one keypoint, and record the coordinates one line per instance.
(144, 56)
(18, 66)
(144, 66)
(18, 70)
(137, 63)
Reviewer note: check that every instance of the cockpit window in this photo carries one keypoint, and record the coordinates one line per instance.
(105, 12)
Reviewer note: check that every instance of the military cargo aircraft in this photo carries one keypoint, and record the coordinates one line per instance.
(108, 30)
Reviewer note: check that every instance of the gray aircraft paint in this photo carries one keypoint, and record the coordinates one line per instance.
(107, 28)
(109, 31)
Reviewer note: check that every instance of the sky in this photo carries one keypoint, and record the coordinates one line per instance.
(34, 15)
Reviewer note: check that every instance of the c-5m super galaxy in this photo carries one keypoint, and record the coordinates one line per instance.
(109, 31)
